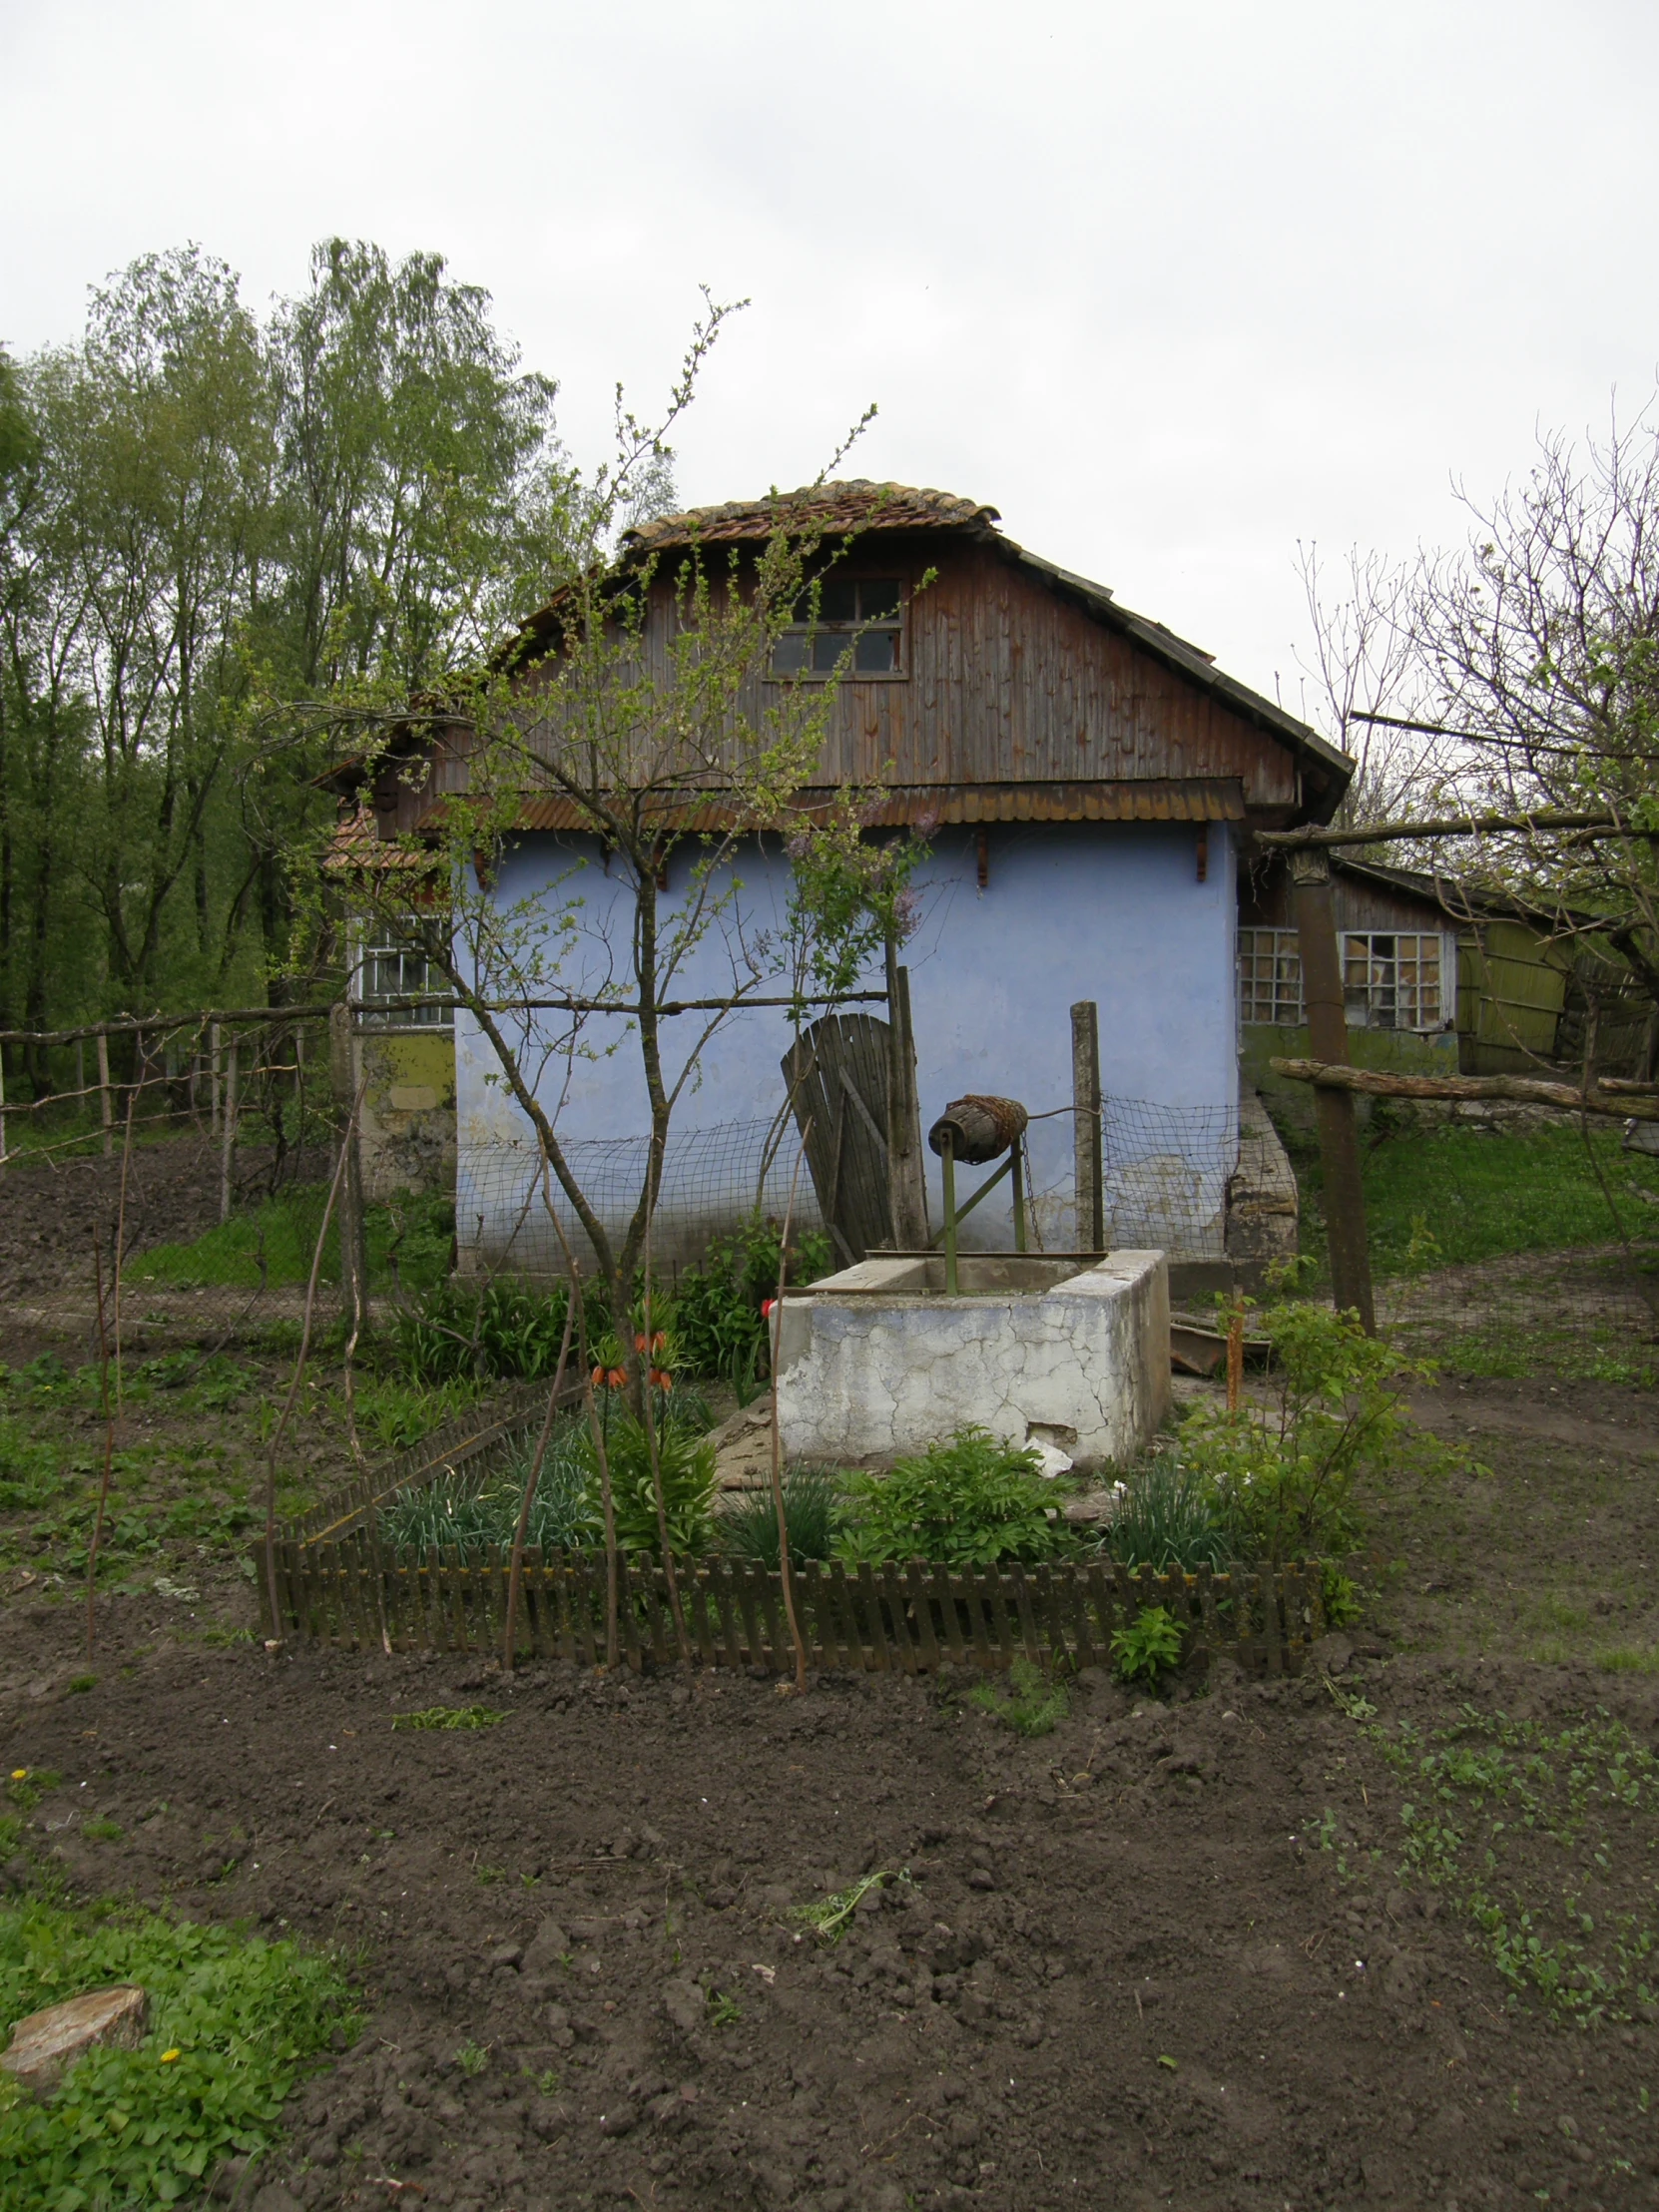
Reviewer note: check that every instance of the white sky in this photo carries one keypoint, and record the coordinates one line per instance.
(1170, 286)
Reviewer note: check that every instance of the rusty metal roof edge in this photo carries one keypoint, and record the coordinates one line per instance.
(1099, 800)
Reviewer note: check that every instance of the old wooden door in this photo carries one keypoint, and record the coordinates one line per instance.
(838, 1072)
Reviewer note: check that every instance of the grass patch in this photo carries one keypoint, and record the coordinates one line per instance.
(271, 1246)
(234, 2021)
(1448, 1195)
(450, 1716)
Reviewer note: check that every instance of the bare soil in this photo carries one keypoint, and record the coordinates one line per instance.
(1126, 1968)
(1169, 1955)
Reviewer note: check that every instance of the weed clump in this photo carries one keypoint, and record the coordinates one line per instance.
(1035, 1707)
(234, 2021)
(450, 1716)
(1148, 1647)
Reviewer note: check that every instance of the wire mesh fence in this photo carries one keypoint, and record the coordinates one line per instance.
(715, 1179)
(198, 1150)
(1167, 1169)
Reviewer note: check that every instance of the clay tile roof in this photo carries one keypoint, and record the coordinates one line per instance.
(855, 505)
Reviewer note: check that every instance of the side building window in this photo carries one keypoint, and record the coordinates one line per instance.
(1392, 982)
(390, 970)
(1270, 977)
(861, 614)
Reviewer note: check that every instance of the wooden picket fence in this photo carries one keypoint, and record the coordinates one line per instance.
(346, 1590)
(477, 1433)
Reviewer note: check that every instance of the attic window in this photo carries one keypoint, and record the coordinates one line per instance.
(857, 615)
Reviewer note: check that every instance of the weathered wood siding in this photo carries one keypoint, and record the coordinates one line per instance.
(1009, 682)
(1006, 680)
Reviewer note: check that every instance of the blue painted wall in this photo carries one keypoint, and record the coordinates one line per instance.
(1110, 913)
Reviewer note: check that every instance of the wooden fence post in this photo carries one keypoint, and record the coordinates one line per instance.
(1322, 995)
(213, 1079)
(1090, 1175)
(354, 1249)
(907, 1184)
(104, 1088)
(228, 1136)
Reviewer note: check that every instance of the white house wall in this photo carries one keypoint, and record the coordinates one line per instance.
(1114, 912)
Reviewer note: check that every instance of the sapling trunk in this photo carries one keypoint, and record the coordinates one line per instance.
(109, 1438)
(594, 1425)
(607, 1504)
(785, 1571)
(666, 1549)
(1235, 1356)
(515, 1576)
(283, 1417)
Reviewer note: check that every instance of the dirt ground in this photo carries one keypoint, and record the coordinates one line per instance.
(1184, 1951)
(1122, 1970)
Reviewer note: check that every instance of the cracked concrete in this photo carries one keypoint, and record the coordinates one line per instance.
(877, 1361)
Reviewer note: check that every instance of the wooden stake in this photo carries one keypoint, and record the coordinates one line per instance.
(515, 1574)
(1321, 992)
(109, 1440)
(1089, 1172)
(298, 1376)
(785, 1572)
(228, 1133)
(105, 1108)
(1235, 1355)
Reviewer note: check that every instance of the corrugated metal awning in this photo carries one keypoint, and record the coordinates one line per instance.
(1199, 798)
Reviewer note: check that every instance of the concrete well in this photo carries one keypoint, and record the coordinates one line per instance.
(1036, 1347)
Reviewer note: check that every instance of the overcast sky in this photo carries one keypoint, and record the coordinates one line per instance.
(1172, 286)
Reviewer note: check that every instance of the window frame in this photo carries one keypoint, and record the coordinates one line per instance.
(374, 944)
(898, 624)
(1376, 985)
(1283, 978)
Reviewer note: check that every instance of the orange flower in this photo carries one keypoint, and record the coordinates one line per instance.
(617, 1378)
(661, 1380)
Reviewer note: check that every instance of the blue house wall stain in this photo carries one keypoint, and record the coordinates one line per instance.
(1109, 912)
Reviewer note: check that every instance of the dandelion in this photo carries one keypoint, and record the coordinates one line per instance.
(168, 2056)
(20, 1773)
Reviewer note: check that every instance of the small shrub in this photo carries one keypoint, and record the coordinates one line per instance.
(1290, 1476)
(1033, 1709)
(472, 2059)
(1147, 1647)
(812, 1508)
(968, 1503)
(717, 1322)
(78, 1684)
(450, 1716)
(1170, 1516)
